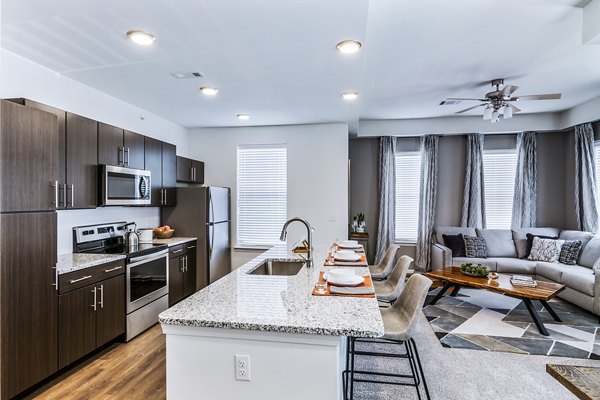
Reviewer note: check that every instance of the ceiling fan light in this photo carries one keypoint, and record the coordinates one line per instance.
(508, 112)
(495, 115)
(487, 113)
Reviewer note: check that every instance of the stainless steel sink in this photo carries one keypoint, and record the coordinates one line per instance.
(273, 266)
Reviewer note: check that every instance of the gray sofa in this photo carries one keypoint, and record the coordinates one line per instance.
(505, 254)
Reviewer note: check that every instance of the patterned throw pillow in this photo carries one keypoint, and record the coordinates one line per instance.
(547, 250)
(569, 252)
(475, 247)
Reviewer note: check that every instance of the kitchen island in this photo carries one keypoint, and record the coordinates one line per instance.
(295, 341)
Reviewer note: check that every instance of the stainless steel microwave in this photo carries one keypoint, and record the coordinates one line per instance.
(124, 186)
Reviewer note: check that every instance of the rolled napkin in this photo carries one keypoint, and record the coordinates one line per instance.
(351, 290)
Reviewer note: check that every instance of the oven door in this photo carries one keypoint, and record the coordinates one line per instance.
(125, 186)
(147, 279)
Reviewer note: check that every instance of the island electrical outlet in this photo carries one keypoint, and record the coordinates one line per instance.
(242, 367)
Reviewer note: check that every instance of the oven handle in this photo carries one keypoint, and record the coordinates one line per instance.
(148, 257)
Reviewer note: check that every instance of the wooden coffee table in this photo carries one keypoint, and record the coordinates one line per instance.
(453, 277)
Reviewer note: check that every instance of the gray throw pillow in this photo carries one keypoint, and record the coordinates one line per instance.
(475, 247)
(547, 250)
(569, 252)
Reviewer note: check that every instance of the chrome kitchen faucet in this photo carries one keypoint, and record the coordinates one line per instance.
(309, 261)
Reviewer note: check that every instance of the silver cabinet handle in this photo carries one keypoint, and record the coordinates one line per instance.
(186, 263)
(182, 264)
(80, 279)
(101, 296)
(177, 251)
(72, 196)
(121, 156)
(191, 247)
(191, 173)
(95, 298)
(55, 284)
(55, 186)
(65, 205)
(126, 160)
(113, 269)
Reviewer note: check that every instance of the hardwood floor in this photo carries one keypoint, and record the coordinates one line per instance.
(134, 370)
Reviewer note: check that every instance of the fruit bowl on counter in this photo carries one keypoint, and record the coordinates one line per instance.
(164, 232)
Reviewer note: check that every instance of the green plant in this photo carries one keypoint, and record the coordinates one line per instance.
(476, 269)
(360, 218)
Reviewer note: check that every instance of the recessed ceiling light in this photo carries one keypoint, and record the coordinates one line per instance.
(349, 46)
(141, 37)
(209, 91)
(350, 96)
(243, 116)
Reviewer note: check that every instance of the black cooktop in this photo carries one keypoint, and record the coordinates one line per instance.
(141, 249)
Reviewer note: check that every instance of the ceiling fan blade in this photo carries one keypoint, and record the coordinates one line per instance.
(515, 108)
(465, 98)
(549, 96)
(469, 109)
(508, 90)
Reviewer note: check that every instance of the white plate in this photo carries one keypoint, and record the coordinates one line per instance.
(354, 280)
(349, 242)
(349, 246)
(340, 273)
(347, 257)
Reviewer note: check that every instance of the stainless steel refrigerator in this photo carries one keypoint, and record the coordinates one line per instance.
(204, 212)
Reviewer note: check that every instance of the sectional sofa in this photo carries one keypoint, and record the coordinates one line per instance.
(506, 250)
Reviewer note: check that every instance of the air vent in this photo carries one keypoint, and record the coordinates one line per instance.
(449, 102)
(187, 75)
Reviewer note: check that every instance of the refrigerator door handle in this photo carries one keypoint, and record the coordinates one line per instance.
(211, 207)
(211, 241)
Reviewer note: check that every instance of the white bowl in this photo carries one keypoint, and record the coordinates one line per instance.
(345, 253)
(339, 274)
(350, 242)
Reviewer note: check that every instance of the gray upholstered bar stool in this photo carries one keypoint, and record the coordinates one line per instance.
(382, 270)
(399, 323)
(389, 290)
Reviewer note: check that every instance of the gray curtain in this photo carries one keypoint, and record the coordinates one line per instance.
(525, 196)
(386, 224)
(473, 211)
(586, 207)
(427, 198)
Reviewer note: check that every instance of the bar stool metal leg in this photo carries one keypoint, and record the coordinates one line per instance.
(414, 346)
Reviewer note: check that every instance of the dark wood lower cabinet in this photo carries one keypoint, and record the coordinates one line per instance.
(28, 301)
(182, 272)
(90, 317)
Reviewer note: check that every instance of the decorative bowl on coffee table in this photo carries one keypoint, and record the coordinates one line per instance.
(474, 270)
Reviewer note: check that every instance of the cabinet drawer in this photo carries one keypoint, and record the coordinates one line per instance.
(176, 251)
(190, 246)
(88, 276)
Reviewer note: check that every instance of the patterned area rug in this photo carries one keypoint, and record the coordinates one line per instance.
(483, 320)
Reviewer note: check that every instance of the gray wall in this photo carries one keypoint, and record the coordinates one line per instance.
(556, 169)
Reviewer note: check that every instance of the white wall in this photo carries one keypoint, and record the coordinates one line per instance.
(317, 173)
(20, 77)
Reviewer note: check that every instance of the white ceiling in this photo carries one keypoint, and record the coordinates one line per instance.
(276, 60)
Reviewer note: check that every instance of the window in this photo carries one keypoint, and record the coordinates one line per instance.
(499, 169)
(408, 185)
(261, 193)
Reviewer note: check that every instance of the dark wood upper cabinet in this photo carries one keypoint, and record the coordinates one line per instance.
(28, 301)
(29, 164)
(153, 163)
(169, 174)
(110, 312)
(134, 150)
(110, 145)
(190, 171)
(81, 189)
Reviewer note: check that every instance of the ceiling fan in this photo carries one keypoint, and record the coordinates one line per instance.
(499, 100)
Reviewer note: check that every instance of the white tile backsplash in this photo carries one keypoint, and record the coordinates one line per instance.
(144, 217)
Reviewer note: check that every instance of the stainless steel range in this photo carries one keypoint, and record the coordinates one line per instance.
(147, 274)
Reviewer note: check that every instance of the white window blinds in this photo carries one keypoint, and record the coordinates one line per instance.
(261, 193)
(499, 168)
(408, 185)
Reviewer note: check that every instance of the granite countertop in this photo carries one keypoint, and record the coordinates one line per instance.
(174, 241)
(277, 303)
(76, 261)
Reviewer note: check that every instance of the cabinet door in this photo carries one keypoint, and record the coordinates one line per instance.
(184, 169)
(198, 167)
(28, 300)
(110, 312)
(169, 174)
(82, 162)
(110, 145)
(175, 280)
(29, 164)
(134, 150)
(189, 276)
(153, 163)
(76, 324)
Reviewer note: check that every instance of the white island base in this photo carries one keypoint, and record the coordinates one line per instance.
(201, 364)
